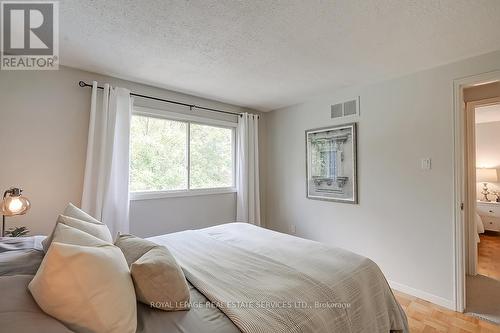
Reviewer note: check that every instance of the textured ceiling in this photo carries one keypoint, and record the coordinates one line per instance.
(267, 54)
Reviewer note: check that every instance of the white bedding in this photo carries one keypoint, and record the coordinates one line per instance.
(241, 267)
(479, 227)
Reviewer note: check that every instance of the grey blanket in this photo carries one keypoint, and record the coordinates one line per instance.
(20, 255)
(270, 282)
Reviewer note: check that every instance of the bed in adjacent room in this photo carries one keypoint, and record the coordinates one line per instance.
(241, 278)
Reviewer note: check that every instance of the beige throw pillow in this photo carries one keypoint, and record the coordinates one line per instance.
(86, 286)
(158, 279)
(133, 247)
(98, 230)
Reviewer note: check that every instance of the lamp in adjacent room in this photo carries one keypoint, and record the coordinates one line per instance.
(486, 176)
(13, 204)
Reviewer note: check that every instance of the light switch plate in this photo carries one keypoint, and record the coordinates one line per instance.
(426, 164)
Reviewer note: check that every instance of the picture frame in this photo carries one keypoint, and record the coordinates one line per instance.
(331, 163)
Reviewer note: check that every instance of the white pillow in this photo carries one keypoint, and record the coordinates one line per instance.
(75, 212)
(100, 230)
(87, 287)
(68, 235)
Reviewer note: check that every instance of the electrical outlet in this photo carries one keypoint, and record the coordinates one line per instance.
(293, 229)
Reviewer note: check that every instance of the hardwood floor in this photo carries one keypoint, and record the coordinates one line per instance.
(425, 317)
(489, 255)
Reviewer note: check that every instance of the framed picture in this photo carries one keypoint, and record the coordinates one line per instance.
(331, 163)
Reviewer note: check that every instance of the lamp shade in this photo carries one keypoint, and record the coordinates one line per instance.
(486, 175)
(14, 203)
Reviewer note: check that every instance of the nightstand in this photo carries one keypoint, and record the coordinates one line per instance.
(490, 214)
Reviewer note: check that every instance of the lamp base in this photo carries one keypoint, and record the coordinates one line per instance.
(485, 192)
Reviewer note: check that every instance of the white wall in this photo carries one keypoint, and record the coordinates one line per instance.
(161, 216)
(488, 152)
(43, 136)
(404, 220)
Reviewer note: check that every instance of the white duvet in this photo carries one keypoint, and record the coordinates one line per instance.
(265, 281)
(479, 227)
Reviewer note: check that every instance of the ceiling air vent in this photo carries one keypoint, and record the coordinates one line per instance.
(337, 111)
(345, 109)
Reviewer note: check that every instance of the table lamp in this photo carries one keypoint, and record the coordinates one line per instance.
(13, 204)
(486, 176)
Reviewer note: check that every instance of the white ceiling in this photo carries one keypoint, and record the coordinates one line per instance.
(488, 114)
(267, 54)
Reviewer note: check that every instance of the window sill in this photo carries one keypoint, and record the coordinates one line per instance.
(150, 195)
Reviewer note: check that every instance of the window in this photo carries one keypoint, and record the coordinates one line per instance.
(158, 155)
(211, 151)
(180, 155)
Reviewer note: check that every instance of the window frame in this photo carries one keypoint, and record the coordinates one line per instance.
(188, 119)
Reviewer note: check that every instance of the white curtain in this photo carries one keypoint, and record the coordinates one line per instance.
(106, 182)
(247, 176)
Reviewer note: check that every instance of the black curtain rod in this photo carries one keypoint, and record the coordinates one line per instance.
(190, 106)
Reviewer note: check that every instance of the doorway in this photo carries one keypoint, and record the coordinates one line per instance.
(477, 232)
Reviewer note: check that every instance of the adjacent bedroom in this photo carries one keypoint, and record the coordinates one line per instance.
(260, 166)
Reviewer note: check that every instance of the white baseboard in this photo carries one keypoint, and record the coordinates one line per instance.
(449, 304)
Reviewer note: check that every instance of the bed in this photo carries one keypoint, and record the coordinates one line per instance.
(241, 278)
(479, 227)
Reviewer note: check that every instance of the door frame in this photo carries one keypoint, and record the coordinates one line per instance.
(460, 168)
